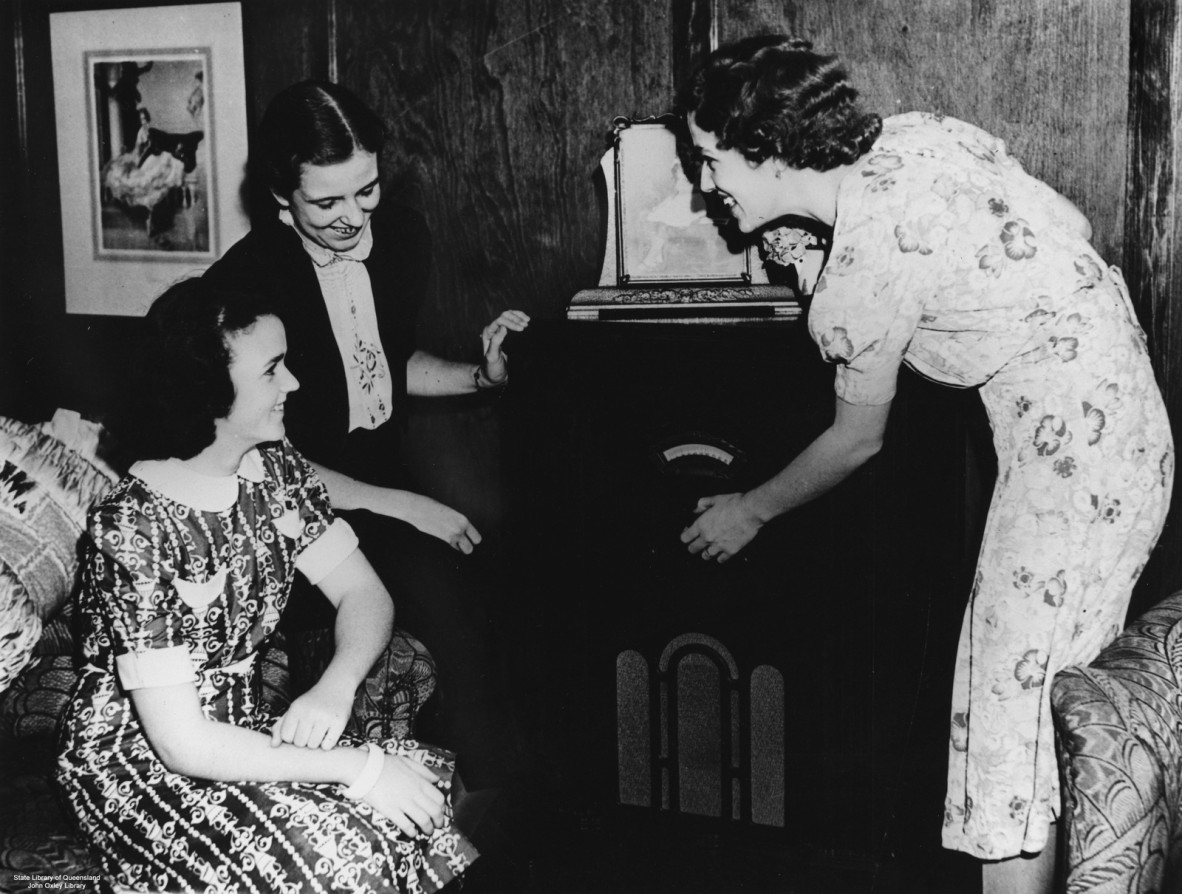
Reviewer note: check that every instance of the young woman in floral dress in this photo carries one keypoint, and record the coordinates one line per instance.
(947, 257)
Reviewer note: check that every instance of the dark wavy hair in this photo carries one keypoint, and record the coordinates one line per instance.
(181, 369)
(317, 123)
(771, 96)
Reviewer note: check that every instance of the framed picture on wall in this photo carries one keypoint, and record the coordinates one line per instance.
(151, 132)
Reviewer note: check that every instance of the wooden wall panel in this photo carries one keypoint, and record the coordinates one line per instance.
(13, 246)
(1048, 76)
(499, 116)
(284, 41)
(1152, 262)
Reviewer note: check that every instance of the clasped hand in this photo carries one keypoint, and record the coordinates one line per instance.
(316, 719)
(407, 793)
(724, 526)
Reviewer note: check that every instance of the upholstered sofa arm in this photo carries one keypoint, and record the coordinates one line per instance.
(1119, 722)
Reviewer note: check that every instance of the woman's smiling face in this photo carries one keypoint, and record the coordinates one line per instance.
(752, 192)
(261, 382)
(333, 203)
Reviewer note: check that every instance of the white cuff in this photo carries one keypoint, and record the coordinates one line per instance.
(327, 551)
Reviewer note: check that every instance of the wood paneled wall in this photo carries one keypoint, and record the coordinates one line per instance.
(499, 111)
(1153, 227)
(1049, 77)
(499, 114)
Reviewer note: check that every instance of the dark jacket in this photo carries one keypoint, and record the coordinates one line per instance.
(271, 260)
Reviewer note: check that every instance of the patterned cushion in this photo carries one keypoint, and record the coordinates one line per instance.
(33, 704)
(47, 484)
(20, 626)
(38, 834)
(1120, 747)
(274, 679)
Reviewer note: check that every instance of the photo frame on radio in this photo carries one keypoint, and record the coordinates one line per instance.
(665, 231)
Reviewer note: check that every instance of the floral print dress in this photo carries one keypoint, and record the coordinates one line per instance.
(949, 258)
(184, 581)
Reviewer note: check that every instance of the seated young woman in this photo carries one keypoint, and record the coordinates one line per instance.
(180, 778)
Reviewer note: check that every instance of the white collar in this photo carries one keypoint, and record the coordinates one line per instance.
(322, 256)
(207, 493)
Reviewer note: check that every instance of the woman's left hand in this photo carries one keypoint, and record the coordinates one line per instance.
(316, 719)
(724, 526)
(491, 339)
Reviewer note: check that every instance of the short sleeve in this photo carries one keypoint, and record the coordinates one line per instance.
(322, 540)
(126, 577)
(870, 297)
(327, 552)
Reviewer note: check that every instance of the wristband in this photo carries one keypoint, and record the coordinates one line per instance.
(368, 777)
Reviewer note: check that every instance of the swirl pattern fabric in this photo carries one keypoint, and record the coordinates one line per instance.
(1120, 748)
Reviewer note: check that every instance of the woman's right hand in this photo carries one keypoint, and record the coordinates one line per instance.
(434, 518)
(407, 794)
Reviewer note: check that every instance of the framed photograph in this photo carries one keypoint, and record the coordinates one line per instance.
(151, 127)
(664, 231)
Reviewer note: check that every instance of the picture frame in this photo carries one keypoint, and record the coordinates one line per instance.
(150, 112)
(668, 256)
(664, 231)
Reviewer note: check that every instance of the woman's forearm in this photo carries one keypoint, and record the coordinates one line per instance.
(364, 621)
(364, 624)
(228, 753)
(431, 376)
(349, 493)
(190, 744)
(854, 437)
(424, 513)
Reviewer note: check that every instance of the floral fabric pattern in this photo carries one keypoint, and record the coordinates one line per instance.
(160, 576)
(948, 257)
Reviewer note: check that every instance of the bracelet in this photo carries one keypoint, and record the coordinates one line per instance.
(368, 777)
(483, 383)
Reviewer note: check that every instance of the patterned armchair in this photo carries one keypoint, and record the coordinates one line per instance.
(1120, 747)
(49, 477)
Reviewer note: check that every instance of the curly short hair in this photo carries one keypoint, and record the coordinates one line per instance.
(771, 96)
(316, 123)
(181, 369)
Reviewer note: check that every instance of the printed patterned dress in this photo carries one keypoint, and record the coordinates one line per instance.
(948, 257)
(184, 581)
